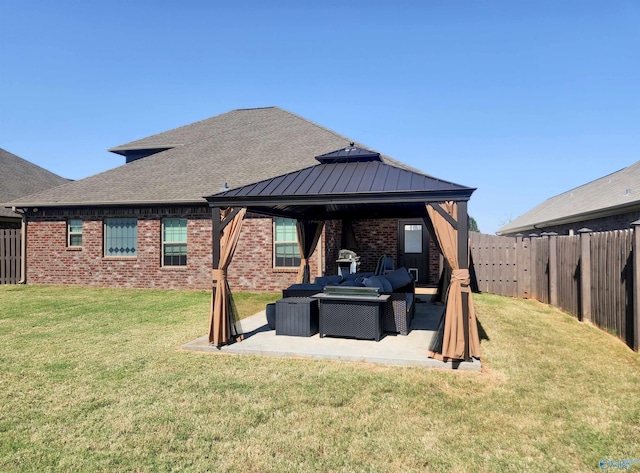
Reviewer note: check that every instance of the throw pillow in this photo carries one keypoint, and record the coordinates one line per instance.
(380, 282)
(399, 278)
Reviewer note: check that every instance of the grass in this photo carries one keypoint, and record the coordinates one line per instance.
(93, 380)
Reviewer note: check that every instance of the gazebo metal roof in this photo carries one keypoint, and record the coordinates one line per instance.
(343, 185)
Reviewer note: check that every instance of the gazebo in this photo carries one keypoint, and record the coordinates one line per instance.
(353, 183)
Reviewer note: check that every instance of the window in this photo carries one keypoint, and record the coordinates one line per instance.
(174, 242)
(121, 237)
(74, 232)
(413, 238)
(285, 243)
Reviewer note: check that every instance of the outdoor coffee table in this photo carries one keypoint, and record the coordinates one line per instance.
(354, 316)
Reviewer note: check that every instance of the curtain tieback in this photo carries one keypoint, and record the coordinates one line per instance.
(462, 277)
(219, 274)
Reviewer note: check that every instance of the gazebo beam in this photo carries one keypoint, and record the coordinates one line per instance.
(448, 217)
(216, 230)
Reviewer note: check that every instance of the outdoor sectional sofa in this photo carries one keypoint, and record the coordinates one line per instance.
(399, 285)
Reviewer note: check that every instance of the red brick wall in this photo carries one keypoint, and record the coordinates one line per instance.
(252, 265)
(375, 238)
(434, 263)
(50, 261)
(332, 232)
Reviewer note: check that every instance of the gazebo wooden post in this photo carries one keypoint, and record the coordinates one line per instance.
(463, 263)
(216, 232)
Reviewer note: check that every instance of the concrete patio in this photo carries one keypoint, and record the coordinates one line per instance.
(410, 350)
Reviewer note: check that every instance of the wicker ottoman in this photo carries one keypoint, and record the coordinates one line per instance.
(297, 316)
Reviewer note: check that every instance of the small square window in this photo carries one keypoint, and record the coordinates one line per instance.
(121, 237)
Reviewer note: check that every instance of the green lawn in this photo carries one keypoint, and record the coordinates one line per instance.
(94, 380)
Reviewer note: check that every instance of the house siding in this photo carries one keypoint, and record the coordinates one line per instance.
(51, 261)
(10, 224)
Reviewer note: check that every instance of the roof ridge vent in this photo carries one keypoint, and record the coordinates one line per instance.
(350, 154)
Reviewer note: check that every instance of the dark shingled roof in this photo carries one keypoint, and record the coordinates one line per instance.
(19, 178)
(238, 148)
(613, 194)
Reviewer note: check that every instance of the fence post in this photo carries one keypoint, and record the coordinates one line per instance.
(553, 268)
(533, 267)
(636, 285)
(526, 267)
(585, 274)
(519, 267)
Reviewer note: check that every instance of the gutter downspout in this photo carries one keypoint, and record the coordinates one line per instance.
(23, 245)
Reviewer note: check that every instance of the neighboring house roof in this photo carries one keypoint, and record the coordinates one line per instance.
(235, 148)
(19, 178)
(613, 194)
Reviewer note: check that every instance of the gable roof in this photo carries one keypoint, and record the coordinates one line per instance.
(615, 193)
(19, 177)
(237, 148)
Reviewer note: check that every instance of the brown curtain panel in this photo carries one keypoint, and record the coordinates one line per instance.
(308, 237)
(452, 326)
(220, 320)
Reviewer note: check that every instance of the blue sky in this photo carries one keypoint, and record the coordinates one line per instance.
(521, 99)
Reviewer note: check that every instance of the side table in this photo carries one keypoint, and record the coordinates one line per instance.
(297, 316)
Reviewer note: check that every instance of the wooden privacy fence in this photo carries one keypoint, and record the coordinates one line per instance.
(592, 276)
(10, 257)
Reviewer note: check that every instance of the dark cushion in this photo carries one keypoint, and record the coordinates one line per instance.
(399, 278)
(306, 286)
(328, 280)
(352, 276)
(380, 282)
(352, 283)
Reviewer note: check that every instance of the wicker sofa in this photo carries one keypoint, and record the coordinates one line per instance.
(399, 284)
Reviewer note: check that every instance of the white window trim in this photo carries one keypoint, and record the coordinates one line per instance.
(274, 243)
(165, 244)
(70, 233)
